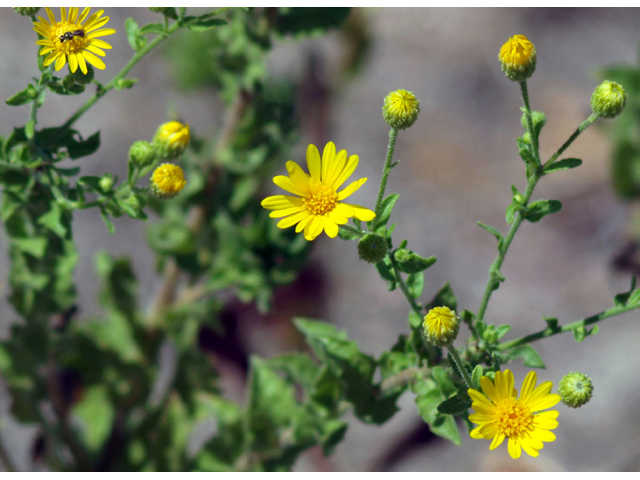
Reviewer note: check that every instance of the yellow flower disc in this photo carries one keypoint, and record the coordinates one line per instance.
(74, 38)
(316, 205)
(441, 326)
(500, 414)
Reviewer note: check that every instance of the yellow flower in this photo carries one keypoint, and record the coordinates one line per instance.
(167, 181)
(317, 205)
(500, 414)
(518, 58)
(172, 139)
(70, 40)
(441, 326)
(400, 109)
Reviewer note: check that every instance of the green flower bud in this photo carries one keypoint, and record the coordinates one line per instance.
(172, 139)
(441, 326)
(575, 389)
(142, 154)
(84, 79)
(133, 201)
(106, 182)
(608, 99)
(400, 109)
(372, 248)
(518, 58)
(537, 118)
(27, 11)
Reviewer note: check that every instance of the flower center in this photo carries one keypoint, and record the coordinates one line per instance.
(403, 102)
(69, 37)
(517, 52)
(513, 419)
(321, 200)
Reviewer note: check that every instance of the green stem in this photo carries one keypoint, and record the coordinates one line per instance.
(393, 134)
(405, 290)
(33, 111)
(461, 368)
(583, 126)
(533, 136)
(502, 252)
(569, 327)
(352, 229)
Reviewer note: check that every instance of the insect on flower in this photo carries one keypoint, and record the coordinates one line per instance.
(69, 35)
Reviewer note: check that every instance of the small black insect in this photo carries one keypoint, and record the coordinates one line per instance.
(69, 35)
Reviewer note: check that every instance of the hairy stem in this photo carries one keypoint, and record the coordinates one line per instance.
(583, 126)
(568, 327)
(534, 137)
(393, 134)
(456, 358)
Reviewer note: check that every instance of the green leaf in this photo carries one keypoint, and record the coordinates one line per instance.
(538, 209)
(415, 282)
(67, 172)
(96, 412)
(526, 155)
(529, 356)
(25, 96)
(347, 234)
(444, 381)
(444, 298)
(156, 28)
(386, 207)
(415, 320)
(621, 299)
(552, 323)
(454, 406)
(86, 147)
(133, 35)
(309, 20)
(410, 262)
(53, 220)
(579, 334)
(427, 401)
(297, 367)
(206, 24)
(492, 230)
(127, 83)
(107, 220)
(476, 376)
(502, 330)
(386, 270)
(35, 246)
(564, 164)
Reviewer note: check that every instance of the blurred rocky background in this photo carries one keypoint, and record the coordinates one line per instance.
(457, 165)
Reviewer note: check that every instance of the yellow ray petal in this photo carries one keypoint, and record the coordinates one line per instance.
(50, 59)
(286, 184)
(97, 24)
(286, 211)
(100, 43)
(95, 50)
(299, 179)
(73, 14)
(328, 154)
(61, 60)
(361, 213)
(545, 422)
(337, 217)
(42, 22)
(336, 167)
(528, 385)
(475, 433)
(480, 418)
(545, 402)
(351, 189)
(83, 64)
(93, 60)
(515, 450)
(489, 388)
(293, 219)
(73, 62)
(313, 161)
(313, 229)
(84, 14)
(281, 201)
(539, 392)
(497, 441)
(543, 435)
(52, 18)
(349, 168)
(303, 223)
(489, 430)
(527, 447)
(330, 227)
(45, 41)
(93, 18)
(101, 33)
(46, 50)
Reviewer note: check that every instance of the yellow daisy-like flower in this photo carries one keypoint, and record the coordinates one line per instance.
(316, 206)
(167, 180)
(71, 40)
(500, 414)
(172, 139)
(441, 326)
(400, 109)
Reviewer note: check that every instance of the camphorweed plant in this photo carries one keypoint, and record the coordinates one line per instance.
(214, 243)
